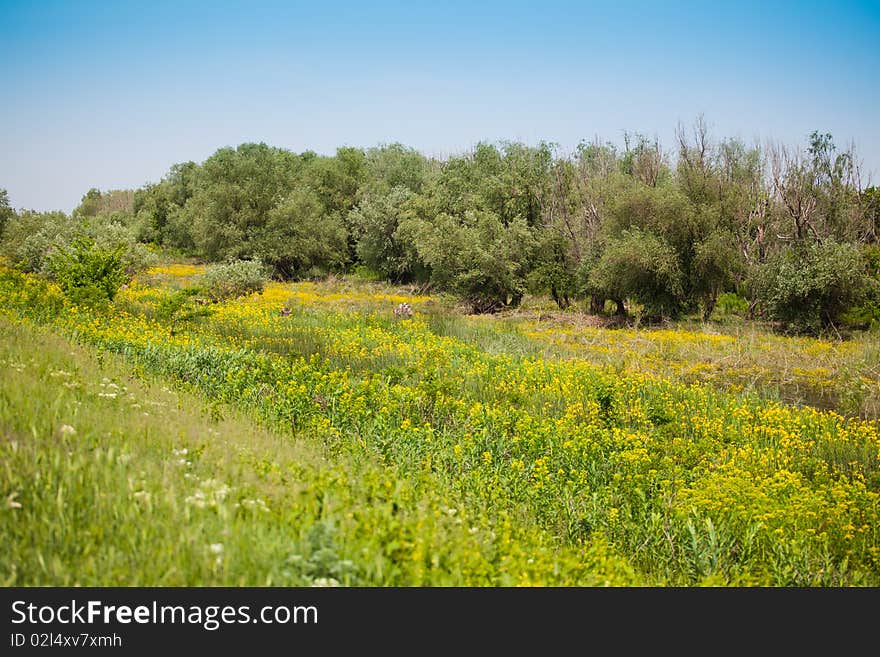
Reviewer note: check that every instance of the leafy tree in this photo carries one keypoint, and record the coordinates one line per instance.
(336, 180)
(554, 270)
(158, 208)
(381, 245)
(391, 166)
(30, 236)
(576, 208)
(808, 287)
(6, 211)
(641, 266)
(298, 239)
(479, 258)
(235, 190)
(89, 204)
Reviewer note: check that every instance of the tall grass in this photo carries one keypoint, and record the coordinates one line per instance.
(455, 460)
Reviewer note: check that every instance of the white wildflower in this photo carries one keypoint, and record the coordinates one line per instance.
(325, 581)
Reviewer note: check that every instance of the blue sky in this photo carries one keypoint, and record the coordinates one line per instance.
(111, 94)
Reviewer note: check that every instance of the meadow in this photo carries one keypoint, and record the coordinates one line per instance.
(144, 444)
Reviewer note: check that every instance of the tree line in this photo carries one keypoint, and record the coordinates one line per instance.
(789, 234)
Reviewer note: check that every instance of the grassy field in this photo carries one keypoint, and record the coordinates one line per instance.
(339, 445)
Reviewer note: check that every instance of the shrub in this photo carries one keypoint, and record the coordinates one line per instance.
(29, 237)
(113, 232)
(808, 288)
(87, 274)
(730, 303)
(234, 279)
(181, 308)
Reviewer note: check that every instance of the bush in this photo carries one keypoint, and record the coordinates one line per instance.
(479, 259)
(381, 244)
(730, 303)
(112, 233)
(234, 279)
(32, 236)
(643, 267)
(29, 237)
(808, 288)
(86, 273)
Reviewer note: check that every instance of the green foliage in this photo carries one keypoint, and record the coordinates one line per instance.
(29, 236)
(480, 259)
(554, 271)
(808, 288)
(381, 244)
(6, 211)
(181, 307)
(641, 266)
(32, 236)
(118, 230)
(715, 264)
(158, 208)
(720, 210)
(298, 240)
(730, 303)
(88, 274)
(234, 192)
(393, 166)
(234, 279)
(866, 315)
(335, 180)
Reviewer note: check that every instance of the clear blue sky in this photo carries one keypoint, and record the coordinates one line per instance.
(111, 94)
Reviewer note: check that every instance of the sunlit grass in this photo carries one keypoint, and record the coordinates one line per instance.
(516, 450)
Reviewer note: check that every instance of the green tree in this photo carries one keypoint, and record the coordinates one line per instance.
(477, 257)
(298, 239)
(235, 190)
(475, 225)
(6, 211)
(391, 166)
(576, 208)
(158, 207)
(807, 288)
(381, 244)
(641, 266)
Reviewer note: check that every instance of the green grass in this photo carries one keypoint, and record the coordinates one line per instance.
(442, 450)
(113, 479)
